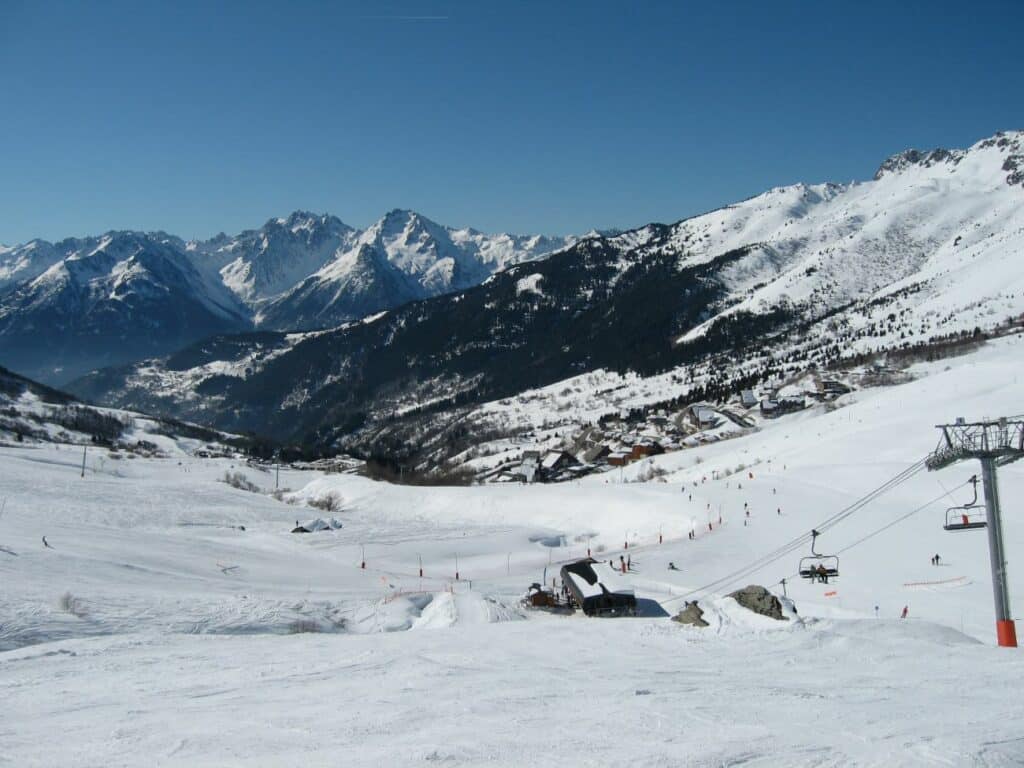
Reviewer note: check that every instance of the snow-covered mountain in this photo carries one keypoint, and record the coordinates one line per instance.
(798, 275)
(108, 300)
(80, 304)
(260, 264)
(403, 256)
(22, 263)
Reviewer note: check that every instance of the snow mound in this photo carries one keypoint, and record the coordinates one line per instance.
(334, 524)
(447, 609)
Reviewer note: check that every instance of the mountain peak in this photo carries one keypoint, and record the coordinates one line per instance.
(299, 220)
(1003, 151)
(901, 161)
(398, 219)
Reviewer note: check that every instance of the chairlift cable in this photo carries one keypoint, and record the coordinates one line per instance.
(890, 524)
(793, 545)
(901, 518)
(897, 480)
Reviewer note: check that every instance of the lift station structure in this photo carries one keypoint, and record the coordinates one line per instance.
(994, 444)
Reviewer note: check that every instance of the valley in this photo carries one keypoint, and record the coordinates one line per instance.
(191, 596)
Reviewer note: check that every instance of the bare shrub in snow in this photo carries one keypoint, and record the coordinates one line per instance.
(329, 503)
(73, 605)
(240, 481)
(650, 473)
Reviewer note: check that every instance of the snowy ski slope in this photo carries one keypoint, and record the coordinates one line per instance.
(154, 631)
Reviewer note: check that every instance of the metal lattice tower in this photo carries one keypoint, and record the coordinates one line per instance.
(1001, 440)
(994, 443)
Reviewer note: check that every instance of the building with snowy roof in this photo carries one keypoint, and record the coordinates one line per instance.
(593, 598)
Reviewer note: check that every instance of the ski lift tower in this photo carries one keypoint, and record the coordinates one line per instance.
(994, 443)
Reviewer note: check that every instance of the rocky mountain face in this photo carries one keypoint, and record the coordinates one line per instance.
(259, 265)
(80, 304)
(402, 257)
(108, 300)
(798, 276)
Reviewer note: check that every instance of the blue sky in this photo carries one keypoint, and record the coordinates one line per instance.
(525, 117)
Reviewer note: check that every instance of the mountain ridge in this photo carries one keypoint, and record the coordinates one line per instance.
(801, 275)
(62, 303)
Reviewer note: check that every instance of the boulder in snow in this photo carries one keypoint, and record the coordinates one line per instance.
(692, 615)
(759, 600)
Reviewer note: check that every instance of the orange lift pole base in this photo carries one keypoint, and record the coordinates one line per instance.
(1006, 633)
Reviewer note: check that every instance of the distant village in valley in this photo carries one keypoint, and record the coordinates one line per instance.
(621, 439)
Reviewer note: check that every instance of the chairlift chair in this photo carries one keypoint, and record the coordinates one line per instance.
(809, 565)
(967, 517)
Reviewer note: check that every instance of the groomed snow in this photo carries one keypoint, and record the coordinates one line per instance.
(155, 631)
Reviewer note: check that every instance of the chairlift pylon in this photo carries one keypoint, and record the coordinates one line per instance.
(967, 517)
(816, 566)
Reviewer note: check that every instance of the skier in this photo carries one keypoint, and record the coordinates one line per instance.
(672, 566)
(778, 511)
(937, 559)
(622, 563)
(906, 610)
(876, 611)
(823, 574)
(46, 543)
(629, 563)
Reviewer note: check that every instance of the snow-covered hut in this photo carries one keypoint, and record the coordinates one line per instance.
(591, 595)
